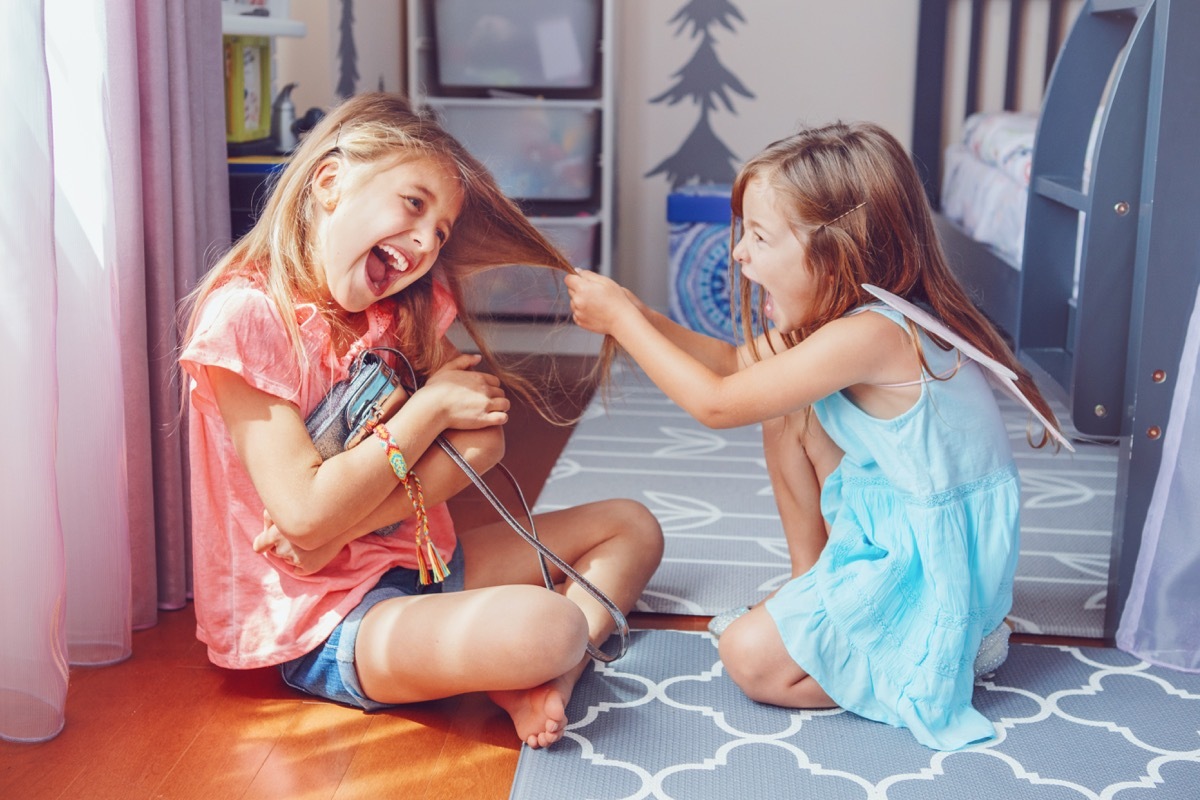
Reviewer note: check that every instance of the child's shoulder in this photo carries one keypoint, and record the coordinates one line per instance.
(239, 296)
(876, 312)
(866, 340)
(865, 324)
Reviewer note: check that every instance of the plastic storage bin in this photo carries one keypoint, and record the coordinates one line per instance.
(529, 44)
(699, 218)
(536, 292)
(537, 150)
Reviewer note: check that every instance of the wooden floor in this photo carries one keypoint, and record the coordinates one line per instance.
(167, 724)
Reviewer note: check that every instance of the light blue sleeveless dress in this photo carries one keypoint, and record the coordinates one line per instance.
(924, 514)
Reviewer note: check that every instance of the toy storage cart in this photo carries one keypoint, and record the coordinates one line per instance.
(527, 87)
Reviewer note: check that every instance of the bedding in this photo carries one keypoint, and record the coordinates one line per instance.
(986, 180)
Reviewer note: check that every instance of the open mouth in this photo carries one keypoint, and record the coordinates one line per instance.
(384, 264)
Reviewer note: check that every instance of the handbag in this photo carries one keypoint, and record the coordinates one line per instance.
(371, 392)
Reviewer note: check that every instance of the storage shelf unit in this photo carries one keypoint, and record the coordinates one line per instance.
(528, 88)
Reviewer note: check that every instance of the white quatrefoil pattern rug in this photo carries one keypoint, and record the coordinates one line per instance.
(665, 722)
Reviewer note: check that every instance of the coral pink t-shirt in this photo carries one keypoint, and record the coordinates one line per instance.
(252, 610)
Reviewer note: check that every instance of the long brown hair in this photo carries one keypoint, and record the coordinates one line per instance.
(381, 129)
(853, 188)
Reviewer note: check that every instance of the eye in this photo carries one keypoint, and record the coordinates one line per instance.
(417, 203)
(442, 236)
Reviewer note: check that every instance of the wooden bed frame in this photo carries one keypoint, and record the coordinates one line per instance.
(1112, 348)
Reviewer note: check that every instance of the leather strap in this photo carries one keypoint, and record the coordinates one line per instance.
(544, 553)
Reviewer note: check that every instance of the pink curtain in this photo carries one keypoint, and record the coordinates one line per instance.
(113, 200)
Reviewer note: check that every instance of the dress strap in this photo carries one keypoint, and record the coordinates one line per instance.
(926, 378)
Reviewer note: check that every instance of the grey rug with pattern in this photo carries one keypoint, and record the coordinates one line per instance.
(665, 722)
(724, 543)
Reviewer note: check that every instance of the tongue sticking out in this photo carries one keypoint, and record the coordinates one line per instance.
(379, 271)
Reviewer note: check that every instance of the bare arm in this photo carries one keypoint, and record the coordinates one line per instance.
(719, 356)
(482, 449)
(847, 352)
(314, 502)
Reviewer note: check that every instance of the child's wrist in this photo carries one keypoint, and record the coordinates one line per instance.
(625, 322)
(423, 407)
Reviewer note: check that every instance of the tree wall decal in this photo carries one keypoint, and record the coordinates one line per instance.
(702, 157)
(347, 53)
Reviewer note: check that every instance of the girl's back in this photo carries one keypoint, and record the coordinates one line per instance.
(952, 437)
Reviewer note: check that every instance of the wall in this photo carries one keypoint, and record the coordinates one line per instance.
(805, 61)
(313, 60)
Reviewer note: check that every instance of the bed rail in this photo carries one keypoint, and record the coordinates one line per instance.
(1008, 25)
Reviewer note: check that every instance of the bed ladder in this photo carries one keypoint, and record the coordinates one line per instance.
(1084, 186)
(1134, 219)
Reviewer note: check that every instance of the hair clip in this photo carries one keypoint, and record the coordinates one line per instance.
(844, 213)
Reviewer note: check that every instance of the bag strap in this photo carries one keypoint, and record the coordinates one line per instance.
(544, 553)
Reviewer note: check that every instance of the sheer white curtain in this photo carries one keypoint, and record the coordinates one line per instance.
(1161, 619)
(113, 196)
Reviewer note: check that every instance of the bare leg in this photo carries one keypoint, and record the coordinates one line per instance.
(521, 643)
(757, 661)
(616, 545)
(800, 455)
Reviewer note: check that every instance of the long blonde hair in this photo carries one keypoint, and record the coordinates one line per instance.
(380, 128)
(854, 190)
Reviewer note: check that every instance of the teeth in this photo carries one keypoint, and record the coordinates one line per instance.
(399, 262)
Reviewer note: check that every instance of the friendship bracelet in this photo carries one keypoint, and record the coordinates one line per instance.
(394, 456)
(431, 567)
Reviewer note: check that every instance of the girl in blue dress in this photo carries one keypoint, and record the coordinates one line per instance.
(889, 460)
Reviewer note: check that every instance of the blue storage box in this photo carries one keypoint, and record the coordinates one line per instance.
(699, 218)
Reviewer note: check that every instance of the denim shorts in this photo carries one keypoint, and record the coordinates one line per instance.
(328, 671)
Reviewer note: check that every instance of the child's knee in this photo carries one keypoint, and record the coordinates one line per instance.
(742, 647)
(552, 626)
(637, 522)
(783, 437)
(632, 522)
(736, 650)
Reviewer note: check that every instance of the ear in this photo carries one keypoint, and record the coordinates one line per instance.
(326, 182)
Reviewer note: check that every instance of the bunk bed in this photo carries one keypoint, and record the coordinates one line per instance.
(1109, 260)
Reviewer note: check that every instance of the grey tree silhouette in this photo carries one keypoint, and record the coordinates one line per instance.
(347, 53)
(702, 157)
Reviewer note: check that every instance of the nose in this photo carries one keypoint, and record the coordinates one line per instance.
(425, 237)
(739, 250)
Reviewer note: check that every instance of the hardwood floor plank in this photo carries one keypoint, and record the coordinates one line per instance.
(309, 747)
(153, 713)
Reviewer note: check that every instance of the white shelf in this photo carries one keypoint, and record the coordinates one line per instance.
(242, 25)
(276, 22)
(546, 338)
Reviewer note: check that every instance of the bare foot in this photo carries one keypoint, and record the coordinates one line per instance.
(539, 714)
